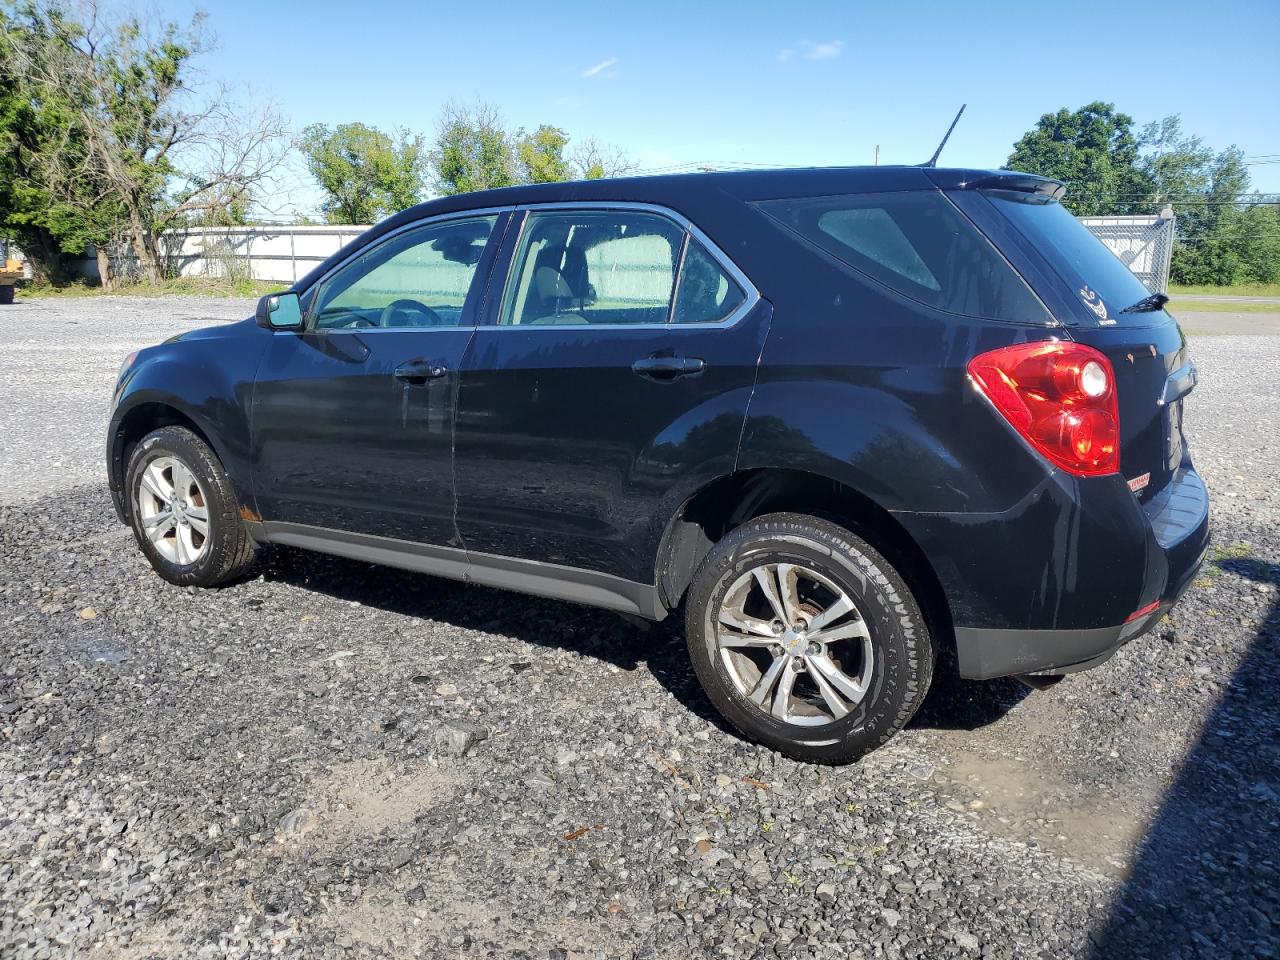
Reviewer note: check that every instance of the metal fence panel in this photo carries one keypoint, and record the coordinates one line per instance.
(1143, 244)
(282, 254)
(275, 254)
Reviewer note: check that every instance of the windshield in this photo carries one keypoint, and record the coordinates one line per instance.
(1103, 282)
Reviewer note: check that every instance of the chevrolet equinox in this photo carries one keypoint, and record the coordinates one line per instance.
(847, 421)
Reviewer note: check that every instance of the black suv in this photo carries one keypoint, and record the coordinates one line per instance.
(851, 420)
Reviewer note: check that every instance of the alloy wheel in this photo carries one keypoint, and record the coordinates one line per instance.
(173, 510)
(794, 644)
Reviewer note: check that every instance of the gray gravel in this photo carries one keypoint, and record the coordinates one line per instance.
(60, 361)
(335, 760)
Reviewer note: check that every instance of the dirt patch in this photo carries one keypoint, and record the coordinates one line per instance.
(363, 798)
(1016, 798)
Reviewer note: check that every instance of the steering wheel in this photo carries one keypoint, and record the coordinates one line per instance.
(395, 306)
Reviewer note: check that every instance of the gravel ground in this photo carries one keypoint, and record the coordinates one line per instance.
(60, 362)
(336, 760)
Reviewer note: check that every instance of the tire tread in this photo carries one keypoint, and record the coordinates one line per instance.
(232, 555)
(918, 647)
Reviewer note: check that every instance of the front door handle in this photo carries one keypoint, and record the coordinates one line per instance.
(420, 371)
(668, 368)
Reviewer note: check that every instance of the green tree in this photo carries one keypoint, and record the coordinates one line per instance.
(1222, 235)
(366, 175)
(46, 218)
(1260, 256)
(1206, 191)
(22, 201)
(541, 155)
(473, 151)
(1093, 150)
(1177, 165)
(126, 147)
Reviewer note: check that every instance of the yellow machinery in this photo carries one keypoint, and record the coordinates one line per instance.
(9, 275)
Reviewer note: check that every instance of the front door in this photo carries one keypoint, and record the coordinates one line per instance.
(612, 382)
(353, 416)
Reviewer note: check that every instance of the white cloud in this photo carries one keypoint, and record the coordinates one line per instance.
(599, 67)
(824, 51)
(809, 50)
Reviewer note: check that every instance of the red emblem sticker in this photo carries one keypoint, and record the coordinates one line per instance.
(1137, 483)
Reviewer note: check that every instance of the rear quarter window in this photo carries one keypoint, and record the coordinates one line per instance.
(917, 244)
(1097, 276)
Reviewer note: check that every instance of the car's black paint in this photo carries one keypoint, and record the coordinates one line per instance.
(565, 454)
(205, 377)
(544, 445)
(339, 441)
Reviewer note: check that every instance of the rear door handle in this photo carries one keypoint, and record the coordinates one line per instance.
(420, 371)
(668, 368)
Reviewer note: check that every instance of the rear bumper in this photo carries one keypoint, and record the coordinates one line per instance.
(1120, 558)
(986, 654)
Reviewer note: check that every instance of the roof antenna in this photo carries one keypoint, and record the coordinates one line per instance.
(933, 161)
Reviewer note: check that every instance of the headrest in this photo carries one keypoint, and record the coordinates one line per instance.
(550, 284)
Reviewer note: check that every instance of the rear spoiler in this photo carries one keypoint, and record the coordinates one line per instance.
(998, 180)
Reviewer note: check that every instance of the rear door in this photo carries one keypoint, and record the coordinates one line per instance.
(352, 417)
(1105, 306)
(611, 379)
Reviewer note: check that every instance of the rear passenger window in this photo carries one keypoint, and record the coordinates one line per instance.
(594, 267)
(707, 294)
(917, 244)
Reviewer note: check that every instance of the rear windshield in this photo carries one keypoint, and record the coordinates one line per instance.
(918, 244)
(1101, 280)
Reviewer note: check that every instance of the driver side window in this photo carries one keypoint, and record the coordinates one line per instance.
(419, 278)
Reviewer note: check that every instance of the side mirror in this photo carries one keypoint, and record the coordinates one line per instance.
(279, 311)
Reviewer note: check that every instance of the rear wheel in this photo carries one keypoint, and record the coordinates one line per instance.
(184, 511)
(807, 639)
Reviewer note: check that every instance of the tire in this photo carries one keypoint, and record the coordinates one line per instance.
(6, 293)
(179, 552)
(881, 647)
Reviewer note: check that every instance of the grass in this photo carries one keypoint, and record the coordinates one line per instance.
(1235, 556)
(1234, 290)
(177, 286)
(1178, 307)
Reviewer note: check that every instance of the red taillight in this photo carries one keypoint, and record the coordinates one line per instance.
(1061, 397)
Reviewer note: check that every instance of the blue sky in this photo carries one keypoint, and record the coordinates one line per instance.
(777, 83)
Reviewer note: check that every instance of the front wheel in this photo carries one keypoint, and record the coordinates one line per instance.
(806, 639)
(184, 511)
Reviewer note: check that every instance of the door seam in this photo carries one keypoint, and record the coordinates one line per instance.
(755, 380)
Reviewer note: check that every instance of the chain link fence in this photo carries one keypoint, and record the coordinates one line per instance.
(1143, 244)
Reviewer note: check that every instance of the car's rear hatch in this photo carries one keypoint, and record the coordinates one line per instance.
(1100, 303)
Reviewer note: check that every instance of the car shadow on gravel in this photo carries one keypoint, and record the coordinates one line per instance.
(1205, 880)
(625, 642)
(956, 704)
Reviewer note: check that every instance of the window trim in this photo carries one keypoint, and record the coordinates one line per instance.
(687, 226)
(491, 248)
